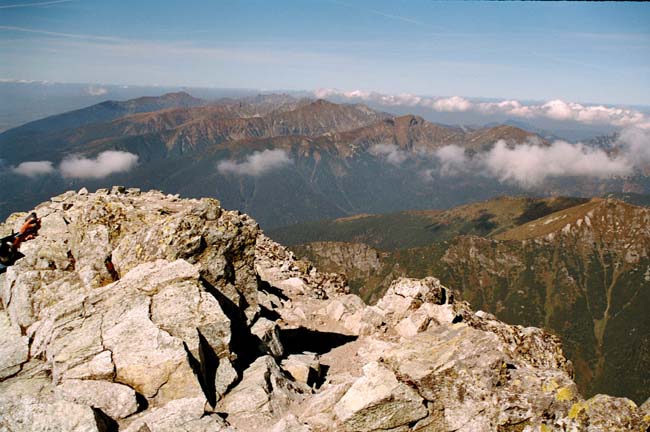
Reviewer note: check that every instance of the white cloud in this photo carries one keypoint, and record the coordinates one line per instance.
(453, 160)
(256, 164)
(528, 165)
(105, 164)
(635, 144)
(96, 91)
(555, 109)
(34, 168)
(391, 152)
(451, 104)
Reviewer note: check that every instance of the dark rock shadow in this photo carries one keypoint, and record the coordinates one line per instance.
(302, 339)
(317, 380)
(267, 287)
(104, 422)
(205, 367)
(242, 342)
(269, 314)
(142, 402)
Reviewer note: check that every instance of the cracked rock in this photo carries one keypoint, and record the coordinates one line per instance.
(379, 401)
(115, 400)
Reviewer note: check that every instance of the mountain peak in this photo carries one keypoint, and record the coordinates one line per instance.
(135, 325)
(177, 95)
(599, 215)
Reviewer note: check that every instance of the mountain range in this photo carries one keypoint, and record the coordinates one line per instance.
(328, 160)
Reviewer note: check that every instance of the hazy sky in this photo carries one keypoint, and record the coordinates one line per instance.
(584, 52)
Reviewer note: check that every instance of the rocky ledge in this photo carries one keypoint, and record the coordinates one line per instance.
(145, 312)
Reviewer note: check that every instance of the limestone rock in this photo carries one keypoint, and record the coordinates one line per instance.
(115, 400)
(279, 267)
(263, 394)
(152, 313)
(318, 411)
(225, 376)
(14, 348)
(304, 368)
(184, 414)
(290, 424)
(269, 334)
(31, 406)
(379, 401)
(606, 413)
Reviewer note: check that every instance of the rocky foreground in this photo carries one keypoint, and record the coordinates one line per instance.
(145, 312)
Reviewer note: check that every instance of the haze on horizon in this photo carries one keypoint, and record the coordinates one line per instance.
(586, 52)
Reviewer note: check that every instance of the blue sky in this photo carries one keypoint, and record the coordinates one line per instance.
(584, 52)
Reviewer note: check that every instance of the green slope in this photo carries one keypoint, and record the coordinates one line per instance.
(420, 228)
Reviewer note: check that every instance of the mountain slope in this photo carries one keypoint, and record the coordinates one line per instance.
(419, 228)
(582, 272)
(138, 311)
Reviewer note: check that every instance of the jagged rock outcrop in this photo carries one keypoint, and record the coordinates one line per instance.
(145, 312)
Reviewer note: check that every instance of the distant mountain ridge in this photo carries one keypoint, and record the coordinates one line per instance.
(107, 111)
(336, 159)
(179, 141)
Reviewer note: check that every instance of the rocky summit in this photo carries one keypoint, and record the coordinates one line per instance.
(144, 312)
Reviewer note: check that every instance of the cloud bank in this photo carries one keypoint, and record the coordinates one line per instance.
(529, 165)
(105, 164)
(391, 152)
(34, 168)
(256, 164)
(453, 160)
(635, 143)
(555, 109)
(96, 91)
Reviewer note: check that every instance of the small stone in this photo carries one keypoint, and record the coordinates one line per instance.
(304, 368)
(269, 334)
(226, 375)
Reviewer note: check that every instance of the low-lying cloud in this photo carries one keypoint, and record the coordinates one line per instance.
(529, 165)
(391, 152)
(96, 91)
(555, 109)
(453, 160)
(34, 169)
(635, 144)
(256, 164)
(105, 164)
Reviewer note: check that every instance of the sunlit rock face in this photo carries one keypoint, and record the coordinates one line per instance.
(146, 312)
